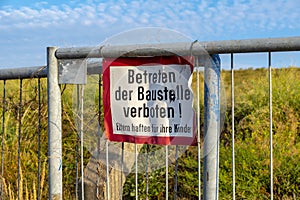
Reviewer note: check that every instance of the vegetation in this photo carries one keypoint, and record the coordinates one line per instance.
(251, 122)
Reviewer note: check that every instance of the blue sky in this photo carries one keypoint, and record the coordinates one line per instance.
(28, 27)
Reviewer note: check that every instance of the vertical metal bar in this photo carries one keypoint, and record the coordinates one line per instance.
(19, 139)
(198, 132)
(54, 127)
(39, 139)
(232, 124)
(99, 137)
(80, 125)
(147, 173)
(77, 168)
(271, 126)
(167, 173)
(3, 126)
(211, 127)
(136, 172)
(107, 173)
(77, 146)
(122, 171)
(176, 173)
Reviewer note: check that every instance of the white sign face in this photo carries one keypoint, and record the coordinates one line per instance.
(152, 100)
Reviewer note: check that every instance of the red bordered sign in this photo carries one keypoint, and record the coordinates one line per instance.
(148, 100)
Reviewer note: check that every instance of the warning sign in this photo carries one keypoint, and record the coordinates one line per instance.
(149, 100)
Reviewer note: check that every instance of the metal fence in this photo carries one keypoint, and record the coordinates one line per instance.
(26, 114)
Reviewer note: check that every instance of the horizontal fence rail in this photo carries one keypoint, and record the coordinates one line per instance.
(40, 72)
(103, 175)
(194, 48)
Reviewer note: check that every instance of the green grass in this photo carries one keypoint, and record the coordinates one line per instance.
(251, 134)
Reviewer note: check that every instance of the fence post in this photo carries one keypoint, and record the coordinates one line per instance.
(54, 127)
(211, 127)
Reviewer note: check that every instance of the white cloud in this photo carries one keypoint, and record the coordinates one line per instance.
(263, 15)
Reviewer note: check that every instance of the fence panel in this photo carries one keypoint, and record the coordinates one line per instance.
(23, 159)
(121, 170)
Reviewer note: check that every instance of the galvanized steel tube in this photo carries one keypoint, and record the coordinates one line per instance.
(211, 127)
(54, 128)
(211, 47)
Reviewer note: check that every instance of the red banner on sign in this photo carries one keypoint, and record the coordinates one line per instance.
(149, 100)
